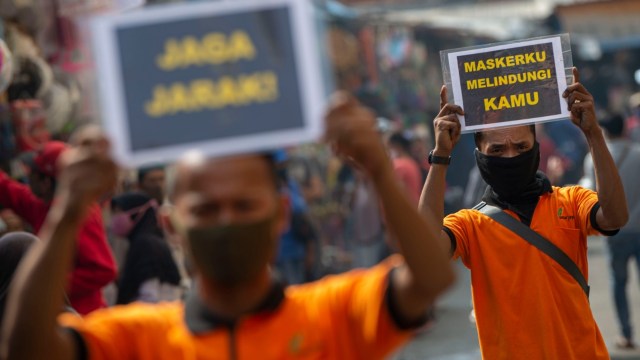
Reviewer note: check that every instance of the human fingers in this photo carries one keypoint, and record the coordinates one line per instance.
(443, 96)
(447, 123)
(578, 98)
(450, 109)
(576, 75)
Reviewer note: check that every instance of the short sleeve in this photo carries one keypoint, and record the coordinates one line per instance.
(455, 225)
(112, 333)
(585, 201)
(361, 321)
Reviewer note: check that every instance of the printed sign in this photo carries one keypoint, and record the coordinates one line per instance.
(218, 77)
(509, 84)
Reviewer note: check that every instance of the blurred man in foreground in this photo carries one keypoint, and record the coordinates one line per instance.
(230, 214)
(527, 305)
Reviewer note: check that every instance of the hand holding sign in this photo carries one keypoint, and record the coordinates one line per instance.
(580, 104)
(446, 125)
(351, 130)
(87, 169)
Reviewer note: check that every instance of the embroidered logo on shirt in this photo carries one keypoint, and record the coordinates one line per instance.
(301, 347)
(566, 217)
(295, 345)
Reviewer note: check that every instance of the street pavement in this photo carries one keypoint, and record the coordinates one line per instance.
(453, 337)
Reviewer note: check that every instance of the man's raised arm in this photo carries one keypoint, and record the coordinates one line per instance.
(613, 212)
(447, 134)
(30, 330)
(427, 270)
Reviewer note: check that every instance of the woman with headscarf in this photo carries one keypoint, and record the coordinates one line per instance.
(149, 272)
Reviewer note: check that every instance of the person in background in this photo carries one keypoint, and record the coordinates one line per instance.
(367, 232)
(149, 272)
(10, 222)
(151, 180)
(405, 167)
(626, 244)
(94, 266)
(13, 247)
(296, 244)
(633, 123)
(230, 213)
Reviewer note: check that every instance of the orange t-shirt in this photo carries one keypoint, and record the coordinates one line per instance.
(339, 317)
(527, 306)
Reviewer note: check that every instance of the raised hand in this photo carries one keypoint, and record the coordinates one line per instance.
(446, 125)
(580, 104)
(87, 169)
(351, 130)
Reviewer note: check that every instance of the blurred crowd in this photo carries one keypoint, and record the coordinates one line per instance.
(124, 253)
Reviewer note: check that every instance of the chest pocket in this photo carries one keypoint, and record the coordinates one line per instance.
(569, 240)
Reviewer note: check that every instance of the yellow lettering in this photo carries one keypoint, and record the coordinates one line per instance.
(490, 104)
(510, 61)
(270, 83)
(490, 64)
(482, 83)
(213, 48)
(504, 103)
(520, 59)
(472, 84)
(170, 57)
(242, 46)
(517, 100)
(481, 65)
(203, 94)
(191, 52)
(541, 56)
(157, 106)
(470, 66)
(532, 100)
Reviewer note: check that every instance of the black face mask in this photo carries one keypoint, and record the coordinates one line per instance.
(231, 255)
(509, 178)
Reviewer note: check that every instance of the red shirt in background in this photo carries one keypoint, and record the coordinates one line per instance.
(94, 266)
(409, 173)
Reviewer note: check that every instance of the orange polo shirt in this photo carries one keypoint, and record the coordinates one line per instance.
(527, 306)
(339, 317)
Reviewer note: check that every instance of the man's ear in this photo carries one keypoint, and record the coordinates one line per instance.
(164, 219)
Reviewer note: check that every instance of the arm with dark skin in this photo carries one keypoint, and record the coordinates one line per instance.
(30, 330)
(613, 213)
(447, 134)
(427, 271)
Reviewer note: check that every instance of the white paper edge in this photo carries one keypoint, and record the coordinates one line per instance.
(112, 100)
(560, 76)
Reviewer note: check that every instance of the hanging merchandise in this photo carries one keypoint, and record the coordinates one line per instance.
(6, 66)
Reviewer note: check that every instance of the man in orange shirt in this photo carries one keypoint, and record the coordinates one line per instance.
(528, 306)
(230, 214)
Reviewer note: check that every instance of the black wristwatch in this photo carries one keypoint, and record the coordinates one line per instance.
(442, 160)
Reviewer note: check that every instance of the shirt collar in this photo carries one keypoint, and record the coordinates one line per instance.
(200, 319)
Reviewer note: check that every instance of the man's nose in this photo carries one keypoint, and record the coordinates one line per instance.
(510, 152)
(227, 216)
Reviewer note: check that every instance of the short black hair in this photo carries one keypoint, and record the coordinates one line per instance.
(398, 139)
(142, 172)
(477, 136)
(269, 159)
(614, 125)
(272, 166)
